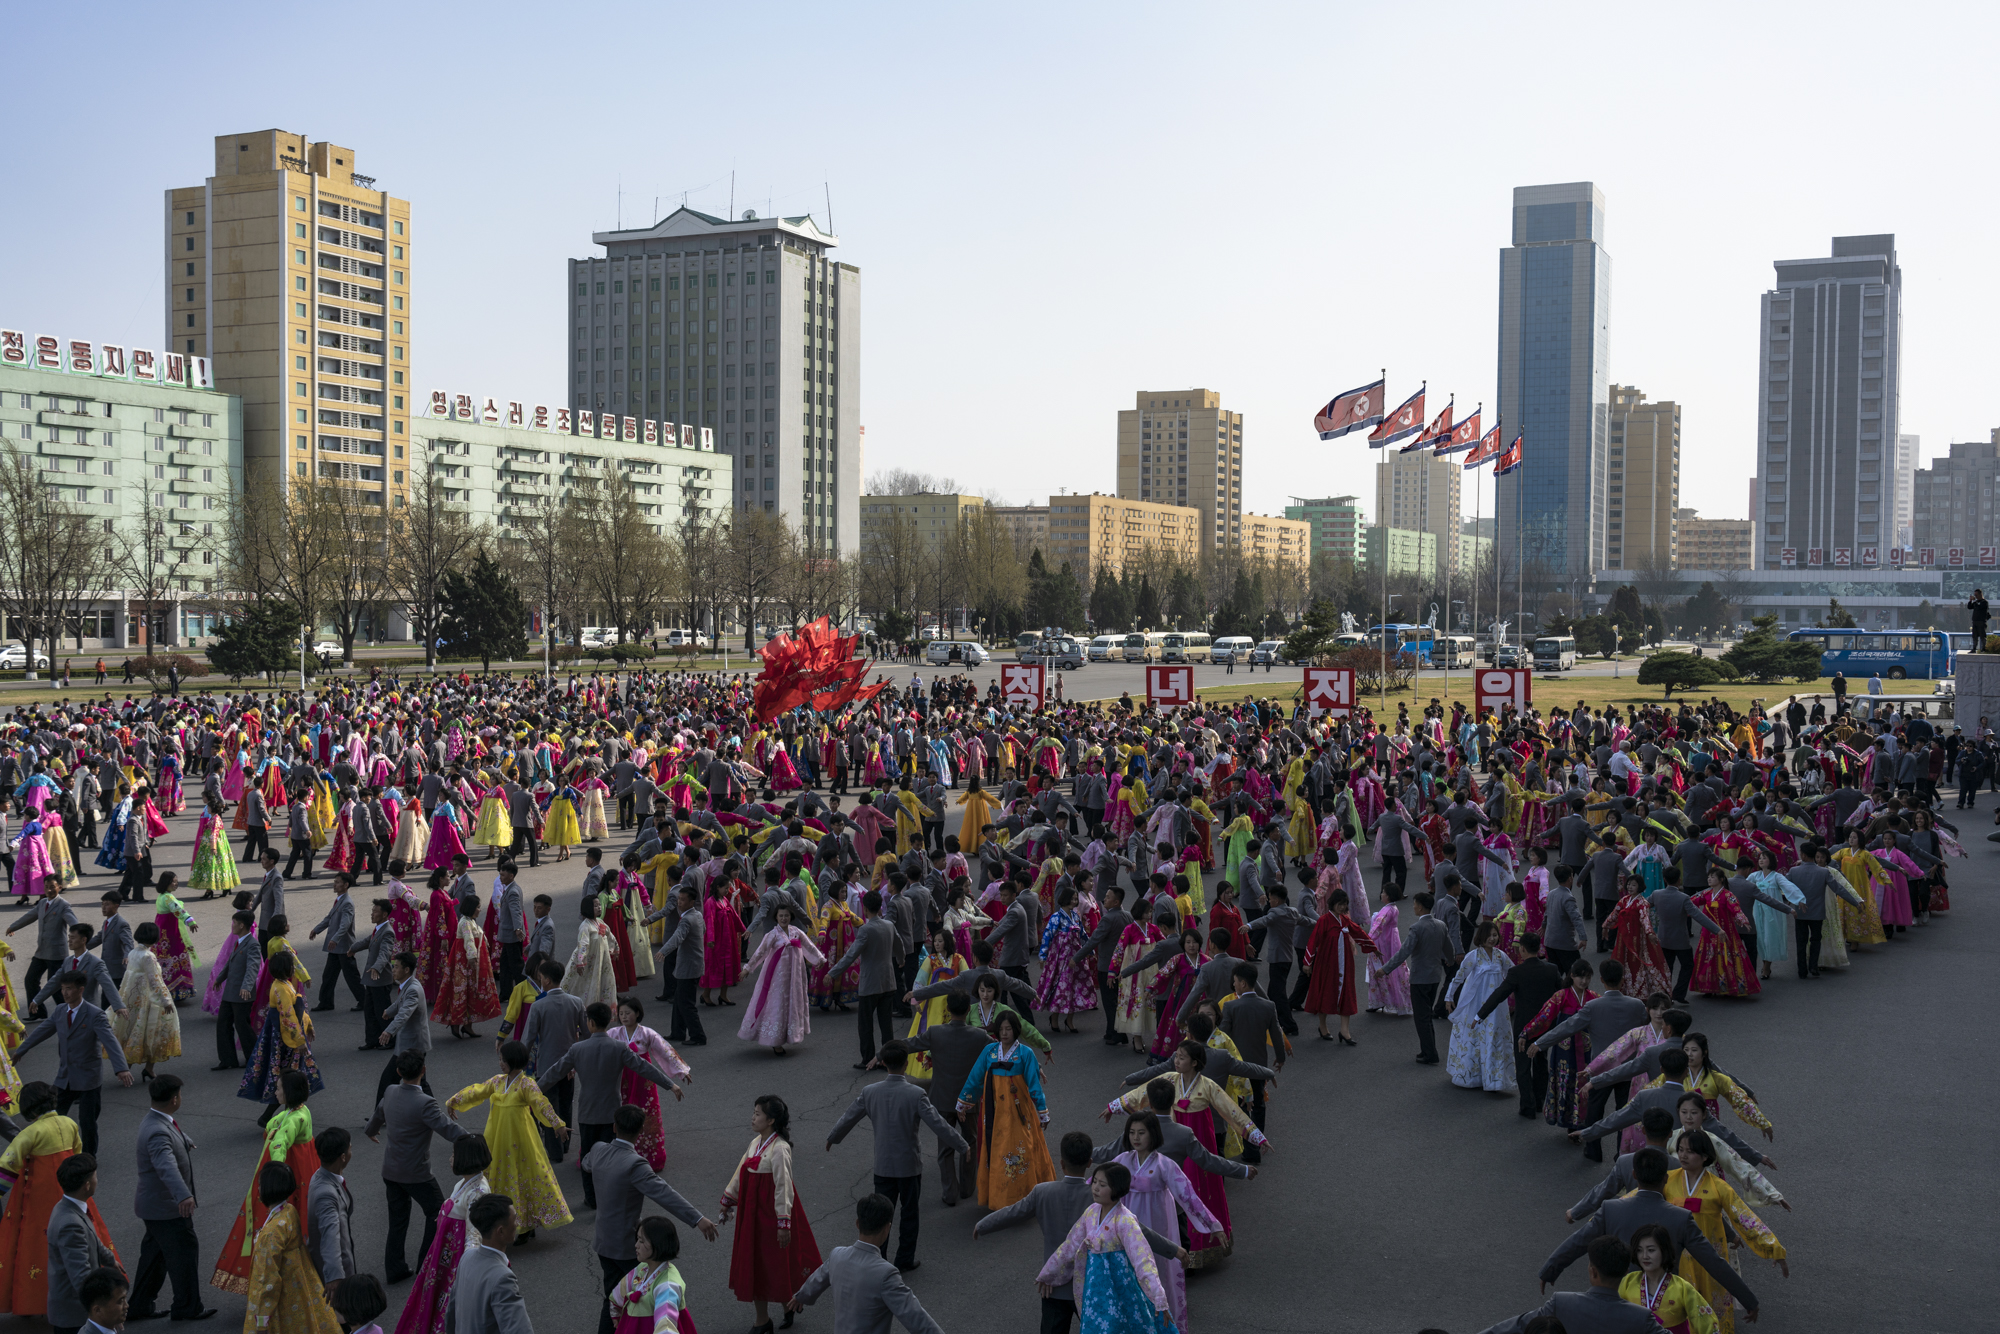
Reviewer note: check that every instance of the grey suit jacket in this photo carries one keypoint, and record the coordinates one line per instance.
(869, 1295)
(74, 1250)
(1814, 881)
(240, 973)
(375, 961)
(411, 1117)
(1251, 1021)
(1212, 982)
(687, 944)
(624, 1182)
(954, 1049)
(1562, 920)
(1428, 947)
(270, 899)
(1056, 1205)
(77, 1043)
(542, 937)
(1606, 1018)
(1674, 914)
(486, 1296)
(100, 984)
(1221, 1068)
(329, 1226)
(1667, 1097)
(511, 916)
(116, 942)
(1620, 1218)
(409, 1018)
(596, 1062)
(1178, 1143)
(1615, 1183)
(968, 982)
(166, 1168)
(895, 1106)
(1597, 1311)
(338, 924)
(1012, 937)
(875, 947)
(555, 1024)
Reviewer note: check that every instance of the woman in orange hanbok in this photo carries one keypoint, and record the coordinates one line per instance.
(288, 1139)
(29, 1167)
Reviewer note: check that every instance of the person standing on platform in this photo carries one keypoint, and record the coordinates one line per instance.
(894, 1107)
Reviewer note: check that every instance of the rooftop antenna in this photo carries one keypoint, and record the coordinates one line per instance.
(621, 202)
(732, 194)
(829, 207)
(656, 209)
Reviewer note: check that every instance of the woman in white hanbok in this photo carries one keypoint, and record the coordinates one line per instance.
(591, 976)
(1482, 1050)
(149, 1027)
(783, 964)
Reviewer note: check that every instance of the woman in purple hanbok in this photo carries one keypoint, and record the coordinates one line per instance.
(1068, 986)
(1118, 1288)
(1388, 993)
(1160, 1194)
(776, 1014)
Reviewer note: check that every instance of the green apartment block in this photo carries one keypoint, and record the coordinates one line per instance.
(1410, 551)
(1337, 525)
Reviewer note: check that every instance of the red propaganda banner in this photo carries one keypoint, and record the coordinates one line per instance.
(1169, 686)
(1021, 683)
(1330, 691)
(1494, 686)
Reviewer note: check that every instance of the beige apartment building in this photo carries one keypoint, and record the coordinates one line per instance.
(1715, 544)
(1179, 447)
(1419, 492)
(291, 273)
(1281, 543)
(1643, 483)
(1095, 531)
(1028, 524)
(931, 514)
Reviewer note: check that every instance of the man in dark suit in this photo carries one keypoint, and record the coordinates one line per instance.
(1102, 944)
(74, 1249)
(1601, 1310)
(1622, 1217)
(165, 1204)
(954, 1048)
(1429, 947)
(81, 1030)
(239, 980)
(1251, 1021)
(1056, 1205)
(624, 1183)
(1530, 982)
(412, 1117)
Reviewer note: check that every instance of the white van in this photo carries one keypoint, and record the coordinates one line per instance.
(685, 639)
(1230, 648)
(955, 652)
(1107, 648)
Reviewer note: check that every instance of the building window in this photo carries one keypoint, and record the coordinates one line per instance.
(299, 203)
(399, 229)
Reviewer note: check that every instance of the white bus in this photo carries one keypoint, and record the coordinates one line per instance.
(1555, 653)
(1236, 646)
(1143, 647)
(1184, 646)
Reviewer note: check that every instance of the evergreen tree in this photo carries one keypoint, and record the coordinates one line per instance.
(262, 639)
(1707, 610)
(1110, 603)
(484, 616)
(1837, 616)
(1146, 605)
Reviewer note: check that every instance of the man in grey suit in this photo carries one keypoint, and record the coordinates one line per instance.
(894, 1107)
(1102, 944)
(1814, 879)
(408, 1027)
(1606, 1017)
(624, 1183)
(1014, 938)
(115, 941)
(99, 988)
(521, 814)
(1658, 1124)
(686, 947)
(1429, 947)
(80, 1030)
(954, 1048)
(329, 1220)
(269, 900)
(74, 1247)
(239, 981)
(1599, 1311)
(1056, 1205)
(1176, 1140)
(597, 1062)
(1674, 920)
(868, 1292)
(411, 1116)
(165, 1203)
(485, 1294)
(874, 948)
(1562, 920)
(510, 914)
(339, 927)
(555, 1024)
(1622, 1217)
(376, 984)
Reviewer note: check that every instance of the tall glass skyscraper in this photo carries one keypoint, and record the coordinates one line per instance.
(1555, 388)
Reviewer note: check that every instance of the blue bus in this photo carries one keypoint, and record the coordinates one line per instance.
(1400, 638)
(1896, 654)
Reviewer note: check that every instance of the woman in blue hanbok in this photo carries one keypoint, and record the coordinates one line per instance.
(1118, 1290)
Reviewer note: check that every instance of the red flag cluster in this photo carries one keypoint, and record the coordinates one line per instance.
(817, 668)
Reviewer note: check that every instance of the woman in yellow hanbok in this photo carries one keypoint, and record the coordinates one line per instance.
(149, 1027)
(978, 814)
(910, 815)
(1653, 1284)
(10, 1000)
(10, 1078)
(941, 962)
(1302, 832)
(62, 866)
(495, 830)
(286, 1293)
(1857, 865)
(320, 814)
(520, 1167)
(1720, 1214)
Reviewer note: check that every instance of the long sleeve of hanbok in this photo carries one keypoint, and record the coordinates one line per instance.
(1061, 1266)
(1746, 1107)
(472, 1095)
(1748, 1226)
(1198, 1216)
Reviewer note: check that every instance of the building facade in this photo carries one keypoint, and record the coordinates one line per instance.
(931, 515)
(1907, 447)
(1642, 481)
(292, 274)
(1336, 522)
(130, 437)
(1713, 544)
(1095, 531)
(1830, 359)
(1282, 543)
(1181, 447)
(1419, 490)
(1555, 328)
(750, 329)
(1027, 524)
(1953, 499)
(503, 462)
(1410, 551)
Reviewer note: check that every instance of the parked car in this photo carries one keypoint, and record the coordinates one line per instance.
(1268, 653)
(955, 652)
(1506, 655)
(1106, 648)
(326, 648)
(683, 638)
(15, 656)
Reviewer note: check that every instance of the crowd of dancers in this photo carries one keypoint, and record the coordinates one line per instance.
(1197, 877)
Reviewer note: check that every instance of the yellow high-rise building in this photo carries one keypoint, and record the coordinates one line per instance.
(291, 273)
(1179, 447)
(1643, 491)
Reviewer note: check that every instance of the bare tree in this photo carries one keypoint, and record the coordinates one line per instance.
(145, 560)
(426, 538)
(904, 482)
(284, 547)
(539, 548)
(51, 554)
(622, 561)
(357, 538)
(755, 553)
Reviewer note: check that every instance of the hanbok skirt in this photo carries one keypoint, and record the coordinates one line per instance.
(591, 816)
(645, 1095)
(1859, 926)
(232, 1263)
(148, 1028)
(1894, 900)
(1068, 982)
(176, 958)
(1111, 1300)
(722, 957)
(269, 1059)
(24, 1240)
(62, 866)
(760, 1270)
(520, 1168)
(466, 994)
(562, 829)
(424, 1308)
(1569, 1101)
(622, 971)
(1013, 1151)
(214, 870)
(1206, 1248)
(495, 829)
(1481, 1054)
(1722, 967)
(444, 844)
(413, 839)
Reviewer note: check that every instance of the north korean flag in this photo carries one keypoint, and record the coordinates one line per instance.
(1400, 424)
(1486, 450)
(1439, 429)
(1510, 460)
(1350, 411)
(1463, 436)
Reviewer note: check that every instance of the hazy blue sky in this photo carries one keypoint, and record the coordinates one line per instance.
(1054, 206)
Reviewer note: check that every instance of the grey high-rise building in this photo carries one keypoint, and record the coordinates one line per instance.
(1555, 329)
(1906, 474)
(1830, 346)
(749, 328)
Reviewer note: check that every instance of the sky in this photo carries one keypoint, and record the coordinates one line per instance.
(1056, 206)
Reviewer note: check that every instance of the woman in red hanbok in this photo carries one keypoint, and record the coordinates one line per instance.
(1172, 984)
(466, 994)
(440, 926)
(1722, 967)
(1635, 945)
(614, 916)
(722, 955)
(1334, 968)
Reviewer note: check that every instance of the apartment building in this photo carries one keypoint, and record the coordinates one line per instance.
(1095, 531)
(1419, 491)
(931, 515)
(292, 275)
(1282, 543)
(1642, 481)
(1956, 500)
(1337, 525)
(1715, 544)
(1181, 447)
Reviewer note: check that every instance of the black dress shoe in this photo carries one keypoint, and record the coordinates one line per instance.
(200, 1315)
(861, 1065)
(403, 1277)
(220, 1067)
(911, 1266)
(322, 1009)
(143, 1315)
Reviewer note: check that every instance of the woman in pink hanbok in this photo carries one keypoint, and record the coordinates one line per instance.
(1387, 993)
(1068, 985)
(1160, 1196)
(648, 1045)
(784, 774)
(447, 841)
(783, 962)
